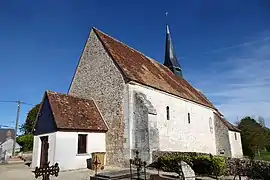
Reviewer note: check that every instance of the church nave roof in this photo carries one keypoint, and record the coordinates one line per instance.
(139, 68)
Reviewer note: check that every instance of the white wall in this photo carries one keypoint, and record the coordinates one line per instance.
(236, 144)
(8, 147)
(66, 149)
(177, 134)
(37, 149)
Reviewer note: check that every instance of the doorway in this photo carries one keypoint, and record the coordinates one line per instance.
(44, 150)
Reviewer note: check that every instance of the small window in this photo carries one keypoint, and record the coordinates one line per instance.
(82, 142)
(235, 136)
(222, 152)
(188, 118)
(211, 125)
(168, 112)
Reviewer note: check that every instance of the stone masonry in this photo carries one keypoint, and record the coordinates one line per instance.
(98, 78)
(222, 137)
(145, 132)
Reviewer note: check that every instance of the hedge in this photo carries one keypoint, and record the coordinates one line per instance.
(204, 164)
(201, 164)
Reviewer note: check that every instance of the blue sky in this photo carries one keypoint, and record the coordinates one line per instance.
(41, 42)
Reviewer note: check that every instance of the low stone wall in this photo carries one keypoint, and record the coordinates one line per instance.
(246, 165)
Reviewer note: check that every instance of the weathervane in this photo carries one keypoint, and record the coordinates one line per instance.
(166, 14)
(167, 26)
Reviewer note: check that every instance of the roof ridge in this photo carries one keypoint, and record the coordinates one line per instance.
(149, 58)
(70, 95)
(65, 107)
(198, 97)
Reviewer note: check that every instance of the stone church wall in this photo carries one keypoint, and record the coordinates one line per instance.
(145, 135)
(98, 77)
(222, 138)
(177, 134)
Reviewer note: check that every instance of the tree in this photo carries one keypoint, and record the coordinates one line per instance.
(26, 141)
(28, 126)
(267, 146)
(254, 136)
(261, 121)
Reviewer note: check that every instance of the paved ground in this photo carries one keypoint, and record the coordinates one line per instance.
(23, 172)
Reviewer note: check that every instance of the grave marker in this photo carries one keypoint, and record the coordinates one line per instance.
(46, 171)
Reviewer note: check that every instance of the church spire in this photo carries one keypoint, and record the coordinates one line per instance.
(170, 58)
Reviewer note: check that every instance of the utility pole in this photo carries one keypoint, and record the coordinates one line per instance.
(16, 127)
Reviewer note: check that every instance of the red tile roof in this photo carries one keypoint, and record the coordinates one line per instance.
(227, 123)
(75, 113)
(139, 68)
(230, 126)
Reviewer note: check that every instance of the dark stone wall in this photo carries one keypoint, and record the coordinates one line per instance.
(259, 168)
(145, 131)
(98, 78)
(222, 138)
(140, 130)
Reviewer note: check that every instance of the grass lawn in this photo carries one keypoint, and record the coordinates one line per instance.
(264, 156)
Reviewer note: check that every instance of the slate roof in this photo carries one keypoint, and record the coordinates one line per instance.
(74, 113)
(139, 68)
(3, 134)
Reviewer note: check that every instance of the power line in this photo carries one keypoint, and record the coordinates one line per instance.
(8, 101)
(17, 119)
(25, 103)
(28, 104)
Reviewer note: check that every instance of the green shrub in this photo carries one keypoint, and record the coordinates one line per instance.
(219, 165)
(201, 164)
(26, 141)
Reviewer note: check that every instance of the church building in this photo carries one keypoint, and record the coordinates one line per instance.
(120, 101)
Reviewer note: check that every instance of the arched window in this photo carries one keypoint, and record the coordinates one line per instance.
(211, 125)
(188, 118)
(168, 112)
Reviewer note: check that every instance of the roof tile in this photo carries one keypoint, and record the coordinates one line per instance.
(227, 123)
(75, 113)
(139, 68)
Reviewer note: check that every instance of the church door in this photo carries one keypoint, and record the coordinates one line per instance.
(44, 150)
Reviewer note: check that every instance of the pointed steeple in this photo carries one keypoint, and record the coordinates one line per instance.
(170, 58)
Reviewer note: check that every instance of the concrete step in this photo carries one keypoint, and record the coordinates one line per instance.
(15, 160)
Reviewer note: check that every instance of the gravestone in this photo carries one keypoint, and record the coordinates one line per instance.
(117, 175)
(185, 172)
(188, 172)
(113, 175)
